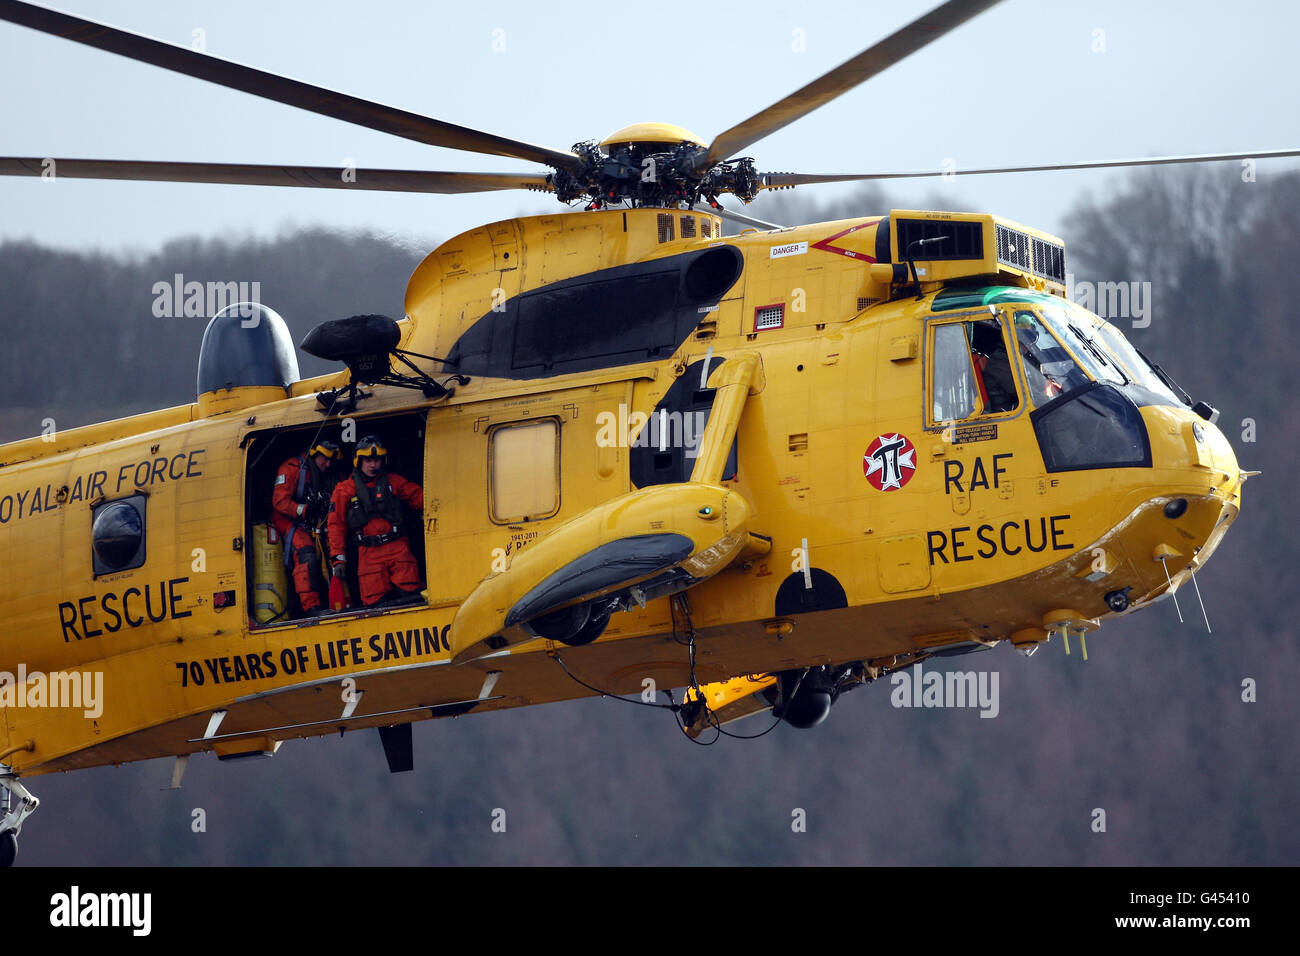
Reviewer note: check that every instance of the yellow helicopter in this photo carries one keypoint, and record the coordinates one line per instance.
(633, 455)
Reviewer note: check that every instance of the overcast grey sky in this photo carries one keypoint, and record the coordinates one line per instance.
(1020, 84)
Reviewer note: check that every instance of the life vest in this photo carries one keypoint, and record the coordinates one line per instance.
(377, 502)
(307, 471)
(307, 464)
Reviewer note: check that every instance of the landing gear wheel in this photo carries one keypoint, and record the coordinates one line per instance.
(807, 709)
(562, 625)
(16, 805)
(805, 697)
(597, 620)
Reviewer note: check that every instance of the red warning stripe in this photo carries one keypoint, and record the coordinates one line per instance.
(825, 244)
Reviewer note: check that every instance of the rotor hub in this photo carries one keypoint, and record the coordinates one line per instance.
(652, 172)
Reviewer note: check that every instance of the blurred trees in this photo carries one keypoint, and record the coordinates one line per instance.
(82, 342)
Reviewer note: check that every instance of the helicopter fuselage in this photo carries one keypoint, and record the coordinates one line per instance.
(892, 511)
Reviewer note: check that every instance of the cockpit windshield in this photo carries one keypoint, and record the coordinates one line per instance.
(1134, 362)
(1100, 348)
(1095, 424)
(1049, 369)
(1080, 336)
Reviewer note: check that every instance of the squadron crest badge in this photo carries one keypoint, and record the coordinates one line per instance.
(890, 462)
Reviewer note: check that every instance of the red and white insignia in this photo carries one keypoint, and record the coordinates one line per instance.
(890, 462)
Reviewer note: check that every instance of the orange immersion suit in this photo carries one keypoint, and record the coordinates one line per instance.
(295, 519)
(384, 558)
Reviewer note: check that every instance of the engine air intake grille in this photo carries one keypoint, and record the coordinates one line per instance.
(1049, 260)
(961, 240)
(1013, 247)
(688, 227)
(665, 227)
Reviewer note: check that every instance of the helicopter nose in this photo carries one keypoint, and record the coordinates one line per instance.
(1194, 466)
(1190, 453)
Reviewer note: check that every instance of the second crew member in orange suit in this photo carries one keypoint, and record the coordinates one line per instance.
(368, 506)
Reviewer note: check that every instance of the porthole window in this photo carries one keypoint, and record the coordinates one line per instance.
(117, 535)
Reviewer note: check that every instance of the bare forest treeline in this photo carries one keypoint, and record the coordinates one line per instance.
(1152, 729)
(84, 342)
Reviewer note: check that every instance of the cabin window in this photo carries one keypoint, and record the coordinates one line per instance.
(524, 470)
(117, 535)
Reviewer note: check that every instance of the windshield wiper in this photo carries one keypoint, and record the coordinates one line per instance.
(1186, 399)
(1099, 354)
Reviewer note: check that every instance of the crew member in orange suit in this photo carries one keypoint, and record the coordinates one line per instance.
(368, 506)
(300, 504)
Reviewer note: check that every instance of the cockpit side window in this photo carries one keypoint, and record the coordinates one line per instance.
(993, 366)
(971, 371)
(954, 389)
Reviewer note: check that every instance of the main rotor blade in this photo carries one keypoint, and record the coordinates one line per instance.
(780, 180)
(725, 213)
(323, 177)
(271, 86)
(844, 77)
